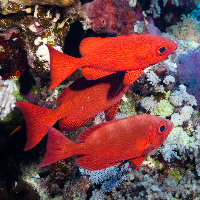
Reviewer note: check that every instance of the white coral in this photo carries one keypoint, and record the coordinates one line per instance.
(177, 143)
(7, 100)
(184, 116)
(43, 53)
(149, 103)
(169, 79)
(154, 9)
(177, 119)
(186, 112)
(153, 78)
(177, 97)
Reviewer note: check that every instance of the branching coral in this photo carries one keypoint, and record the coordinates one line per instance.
(108, 178)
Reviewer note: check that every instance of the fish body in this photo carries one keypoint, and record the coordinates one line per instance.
(77, 105)
(104, 145)
(104, 56)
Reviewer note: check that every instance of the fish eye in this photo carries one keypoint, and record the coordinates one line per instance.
(162, 127)
(162, 49)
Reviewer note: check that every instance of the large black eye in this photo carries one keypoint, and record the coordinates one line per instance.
(162, 49)
(162, 127)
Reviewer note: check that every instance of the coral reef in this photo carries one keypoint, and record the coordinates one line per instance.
(167, 12)
(169, 89)
(7, 99)
(40, 26)
(186, 29)
(188, 71)
(115, 17)
(13, 56)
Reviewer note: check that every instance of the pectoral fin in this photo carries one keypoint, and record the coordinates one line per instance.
(92, 74)
(132, 76)
(136, 162)
(111, 112)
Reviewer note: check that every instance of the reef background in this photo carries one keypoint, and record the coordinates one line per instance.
(169, 89)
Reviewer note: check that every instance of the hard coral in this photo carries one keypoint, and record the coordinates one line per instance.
(7, 99)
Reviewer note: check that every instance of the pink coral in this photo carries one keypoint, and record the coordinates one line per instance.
(113, 17)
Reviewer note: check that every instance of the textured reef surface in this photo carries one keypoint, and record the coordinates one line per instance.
(169, 89)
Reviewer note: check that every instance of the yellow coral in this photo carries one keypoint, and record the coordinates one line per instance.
(164, 108)
(187, 28)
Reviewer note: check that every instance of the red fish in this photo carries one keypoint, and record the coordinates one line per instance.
(104, 56)
(130, 139)
(80, 102)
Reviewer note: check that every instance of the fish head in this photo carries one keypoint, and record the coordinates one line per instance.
(159, 130)
(159, 49)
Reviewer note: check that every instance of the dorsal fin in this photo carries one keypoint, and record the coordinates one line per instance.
(89, 131)
(88, 45)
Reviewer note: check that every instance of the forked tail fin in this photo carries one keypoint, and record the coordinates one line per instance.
(61, 66)
(58, 147)
(35, 122)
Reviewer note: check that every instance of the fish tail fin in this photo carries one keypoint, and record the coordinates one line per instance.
(58, 147)
(35, 122)
(61, 66)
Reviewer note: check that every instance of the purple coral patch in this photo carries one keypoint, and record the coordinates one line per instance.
(189, 72)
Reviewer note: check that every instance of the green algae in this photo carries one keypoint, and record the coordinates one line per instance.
(175, 174)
